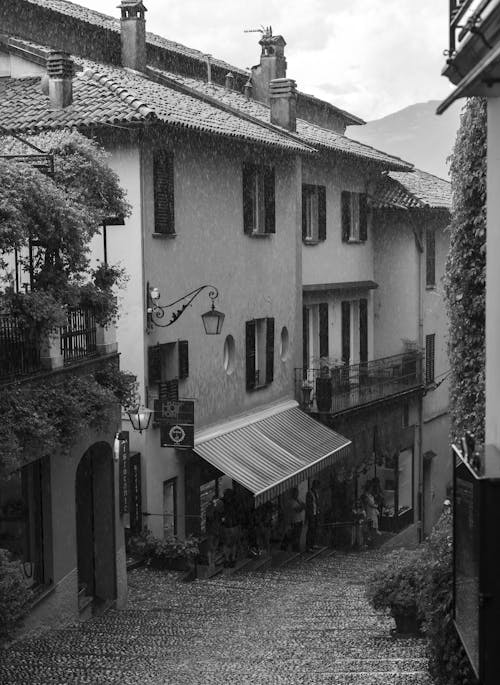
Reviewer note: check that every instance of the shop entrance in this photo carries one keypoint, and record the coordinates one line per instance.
(95, 525)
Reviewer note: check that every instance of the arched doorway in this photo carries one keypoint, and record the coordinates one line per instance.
(95, 525)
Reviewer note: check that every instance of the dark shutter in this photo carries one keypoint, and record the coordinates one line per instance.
(305, 195)
(346, 332)
(430, 257)
(248, 179)
(269, 200)
(269, 350)
(346, 215)
(163, 175)
(363, 217)
(305, 340)
(430, 345)
(169, 390)
(154, 364)
(321, 213)
(183, 349)
(250, 354)
(323, 329)
(363, 330)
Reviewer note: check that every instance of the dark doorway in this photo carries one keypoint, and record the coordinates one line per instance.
(95, 524)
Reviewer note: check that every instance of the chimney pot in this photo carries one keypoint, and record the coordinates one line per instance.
(229, 84)
(283, 103)
(133, 34)
(272, 64)
(248, 89)
(60, 79)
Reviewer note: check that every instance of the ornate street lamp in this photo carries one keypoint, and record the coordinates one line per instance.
(140, 417)
(212, 320)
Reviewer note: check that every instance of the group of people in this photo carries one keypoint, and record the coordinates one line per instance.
(231, 527)
(296, 514)
(234, 527)
(366, 514)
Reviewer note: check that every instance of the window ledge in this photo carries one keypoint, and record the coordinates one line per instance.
(356, 241)
(259, 387)
(164, 235)
(259, 234)
(311, 241)
(430, 287)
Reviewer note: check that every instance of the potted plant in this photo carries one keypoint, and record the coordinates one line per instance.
(396, 588)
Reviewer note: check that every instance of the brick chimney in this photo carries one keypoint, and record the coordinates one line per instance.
(283, 103)
(133, 34)
(60, 79)
(272, 64)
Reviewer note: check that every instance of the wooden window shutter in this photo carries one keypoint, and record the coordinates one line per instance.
(363, 330)
(363, 217)
(346, 332)
(250, 354)
(321, 213)
(430, 257)
(248, 179)
(168, 390)
(183, 350)
(269, 200)
(305, 340)
(323, 329)
(154, 364)
(430, 346)
(346, 215)
(305, 194)
(269, 350)
(163, 179)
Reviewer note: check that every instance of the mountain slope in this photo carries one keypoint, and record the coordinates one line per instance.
(416, 134)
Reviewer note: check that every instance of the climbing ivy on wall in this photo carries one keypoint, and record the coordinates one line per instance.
(465, 272)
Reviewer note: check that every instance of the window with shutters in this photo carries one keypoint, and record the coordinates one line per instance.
(258, 200)
(430, 258)
(313, 213)
(259, 344)
(354, 220)
(430, 347)
(168, 364)
(163, 184)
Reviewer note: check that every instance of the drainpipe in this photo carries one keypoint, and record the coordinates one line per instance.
(420, 340)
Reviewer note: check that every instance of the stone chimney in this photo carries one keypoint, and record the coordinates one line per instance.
(133, 34)
(60, 80)
(272, 65)
(229, 82)
(283, 103)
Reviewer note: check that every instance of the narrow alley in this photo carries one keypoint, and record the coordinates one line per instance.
(307, 622)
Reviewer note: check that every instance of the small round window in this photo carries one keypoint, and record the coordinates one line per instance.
(285, 344)
(229, 353)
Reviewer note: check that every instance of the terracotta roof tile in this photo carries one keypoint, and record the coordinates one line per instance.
(308, 133)
(414, 190)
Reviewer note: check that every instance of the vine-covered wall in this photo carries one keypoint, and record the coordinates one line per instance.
(466, 272)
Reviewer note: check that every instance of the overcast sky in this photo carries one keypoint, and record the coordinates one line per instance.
(370, 57)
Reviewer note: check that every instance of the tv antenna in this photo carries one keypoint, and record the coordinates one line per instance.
(266, 31)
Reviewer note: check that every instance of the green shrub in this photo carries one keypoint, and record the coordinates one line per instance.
(448, 662)
(149, 547)
(397, 585)
(14, 596)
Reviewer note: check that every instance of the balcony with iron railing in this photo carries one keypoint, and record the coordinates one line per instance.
(474, 35)
(339, 388)
(25, 352)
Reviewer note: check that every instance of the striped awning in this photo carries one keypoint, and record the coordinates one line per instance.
(273, 450)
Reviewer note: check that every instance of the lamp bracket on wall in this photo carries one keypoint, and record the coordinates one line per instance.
(156, 312)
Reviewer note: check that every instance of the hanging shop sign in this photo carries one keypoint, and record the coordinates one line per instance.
(176, 421)
(124, 470)
(135, 501)
(476, 559)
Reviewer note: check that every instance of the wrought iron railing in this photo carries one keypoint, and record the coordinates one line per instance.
(19, 348)
(78, 337)
(465, 17)
(334, 389)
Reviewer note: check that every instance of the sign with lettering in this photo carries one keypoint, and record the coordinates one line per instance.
(124, 470)
(176, 420)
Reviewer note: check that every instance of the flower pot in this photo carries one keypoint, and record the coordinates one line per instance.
(407, 622)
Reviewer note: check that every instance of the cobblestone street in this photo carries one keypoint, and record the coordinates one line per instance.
(305, 623)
